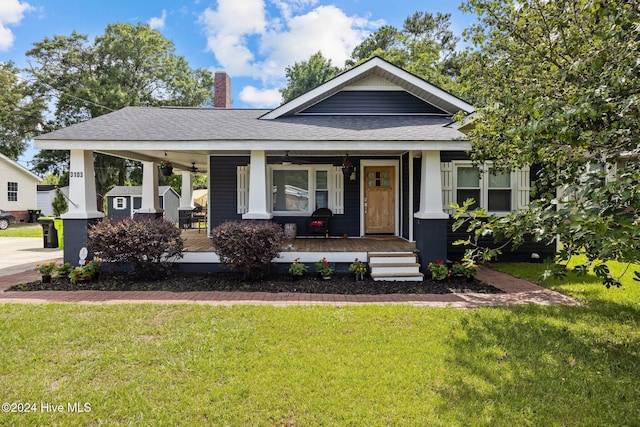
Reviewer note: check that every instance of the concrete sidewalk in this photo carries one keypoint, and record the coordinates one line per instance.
(18, 254)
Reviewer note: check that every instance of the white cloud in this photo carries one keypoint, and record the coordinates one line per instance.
(158, 23)
(261, 98)
(250, 41)
(11, 12)
(227, 30)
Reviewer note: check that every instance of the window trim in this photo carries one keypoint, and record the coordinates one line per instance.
(484, 186)
(119, 206)
(311, 170)
(11, 192)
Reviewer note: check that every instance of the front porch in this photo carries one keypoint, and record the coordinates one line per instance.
(195, 241)
(341, 252)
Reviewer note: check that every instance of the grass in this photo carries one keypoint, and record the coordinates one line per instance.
(22, 230)
(307, 366)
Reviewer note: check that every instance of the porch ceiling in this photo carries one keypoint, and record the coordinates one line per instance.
(182, 159)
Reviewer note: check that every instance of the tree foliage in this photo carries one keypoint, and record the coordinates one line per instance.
(306, 75)
(20, 112)
(425, 46)
(559, 82)
(128, 65)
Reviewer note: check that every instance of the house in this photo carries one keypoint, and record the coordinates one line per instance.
(18, 187)
(46, 195)
(200, 197)
(407, 161)
(125, 201)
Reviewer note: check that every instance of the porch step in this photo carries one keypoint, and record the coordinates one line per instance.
(395, 266)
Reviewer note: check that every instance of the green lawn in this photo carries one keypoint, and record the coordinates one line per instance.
(22, 230)
(309, 366)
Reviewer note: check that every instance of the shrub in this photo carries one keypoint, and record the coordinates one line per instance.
(248, 246)
(148, 246)
(59, 203)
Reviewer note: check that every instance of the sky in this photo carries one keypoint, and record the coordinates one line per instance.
(252, 40)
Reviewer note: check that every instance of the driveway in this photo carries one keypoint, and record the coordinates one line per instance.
(22, 253)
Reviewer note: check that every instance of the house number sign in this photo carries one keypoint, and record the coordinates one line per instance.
(73, 174)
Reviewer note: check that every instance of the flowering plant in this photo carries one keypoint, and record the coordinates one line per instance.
(78, 273)
(86, 272)
(297, 268)
(465, 269)
(358, 267)
(64, 269)
(46, 269)
(439, 270)
(346, 162)
(324, 267)
(164, 164)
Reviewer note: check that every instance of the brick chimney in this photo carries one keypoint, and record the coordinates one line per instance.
(222, 90)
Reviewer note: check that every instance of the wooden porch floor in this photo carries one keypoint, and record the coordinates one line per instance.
(199, 242)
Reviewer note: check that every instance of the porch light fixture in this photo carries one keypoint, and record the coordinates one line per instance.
(348, 169)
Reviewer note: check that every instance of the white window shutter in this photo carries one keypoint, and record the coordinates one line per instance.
(446, 171)
(242, 173)
(523, 187)
(336, 195)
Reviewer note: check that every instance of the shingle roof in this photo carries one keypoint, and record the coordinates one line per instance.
(206, 124)
(134, 190)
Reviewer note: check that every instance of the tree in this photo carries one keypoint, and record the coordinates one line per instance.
(425, 46)
(126, 66)
(306, 75)
(560, 86)
(20, 112)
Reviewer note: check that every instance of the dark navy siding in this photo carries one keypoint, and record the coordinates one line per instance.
(373, 102)
(222, 188)
(118, 213)
(522, 254)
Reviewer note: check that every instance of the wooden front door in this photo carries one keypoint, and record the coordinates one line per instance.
(379, 200)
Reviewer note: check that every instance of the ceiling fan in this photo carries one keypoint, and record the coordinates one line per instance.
(193, 167)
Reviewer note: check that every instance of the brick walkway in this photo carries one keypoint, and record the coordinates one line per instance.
(517, 291)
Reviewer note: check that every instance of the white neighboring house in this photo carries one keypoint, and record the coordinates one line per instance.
(46, 194)
(18, 189)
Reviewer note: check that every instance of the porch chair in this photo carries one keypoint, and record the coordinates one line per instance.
(319, 221)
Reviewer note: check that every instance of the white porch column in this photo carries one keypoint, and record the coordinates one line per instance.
(82, 187)
(150, 199)
(431, 188)
(186, 198)
(258, 187)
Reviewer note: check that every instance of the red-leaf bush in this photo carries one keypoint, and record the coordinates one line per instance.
(148, 246)
(248, 246)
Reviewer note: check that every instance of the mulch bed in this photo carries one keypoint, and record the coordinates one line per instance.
(191, 282)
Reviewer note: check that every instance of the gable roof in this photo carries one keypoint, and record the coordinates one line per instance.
(376, 66)
(136, 190)
(20, 168)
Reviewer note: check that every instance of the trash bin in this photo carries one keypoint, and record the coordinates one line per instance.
(49, 233)
(185, 218)
(34, 214)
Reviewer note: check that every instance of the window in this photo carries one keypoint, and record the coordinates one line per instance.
(12, 191)
(299, 189)
(119, 203)
(491, 190)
